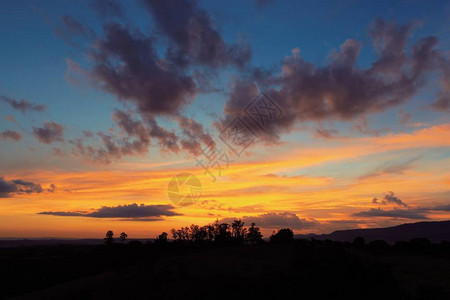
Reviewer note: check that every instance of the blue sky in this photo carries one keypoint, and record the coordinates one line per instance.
(47, 61)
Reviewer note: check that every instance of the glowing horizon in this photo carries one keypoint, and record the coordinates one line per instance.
(102, 112)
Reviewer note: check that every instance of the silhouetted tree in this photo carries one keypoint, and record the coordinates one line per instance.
(180, 234)
(283, 236)
(238, 231)
(123, 236)
(222, 232)
(210, 233)
(218, 233)
(109, 239)
(198, 234)
(253, 234)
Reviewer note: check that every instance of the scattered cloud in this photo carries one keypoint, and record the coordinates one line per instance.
(23, 105)
(342, 90)
(10, 134)
(49, 133)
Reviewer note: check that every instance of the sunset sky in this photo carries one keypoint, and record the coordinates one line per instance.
(103, 102)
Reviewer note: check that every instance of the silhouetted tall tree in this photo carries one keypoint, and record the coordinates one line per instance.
(238, 231)
(181, 234)
(109, 239)
(253, 234)
(222, 232)
(198, 234)
(210, 233)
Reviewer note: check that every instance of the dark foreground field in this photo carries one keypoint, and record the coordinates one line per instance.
(301, 270)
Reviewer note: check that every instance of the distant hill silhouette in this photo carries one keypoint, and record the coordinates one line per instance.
(434, 231)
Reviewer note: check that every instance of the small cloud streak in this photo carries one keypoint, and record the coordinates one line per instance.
(413, 214)
(10, 134)
(23, 105)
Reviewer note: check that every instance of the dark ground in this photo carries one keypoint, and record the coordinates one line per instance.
(300, 270)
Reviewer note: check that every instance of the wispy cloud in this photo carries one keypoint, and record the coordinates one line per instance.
(23, 105)
(11, 134)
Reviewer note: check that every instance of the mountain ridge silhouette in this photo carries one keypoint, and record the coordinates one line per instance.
(435, 231)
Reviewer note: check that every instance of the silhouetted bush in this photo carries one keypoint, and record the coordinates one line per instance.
(283, 236)
(161, 239)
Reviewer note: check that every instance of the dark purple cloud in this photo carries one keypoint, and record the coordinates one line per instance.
(194, 36)
(23, 105)
(136, 134)
(442, 102)
(10, 134)
(196, 137)
(8, 188)
(134, 138)
(134, 129)
(49, 133)
(391, 198)
(415, 214)
(342, 90)
(127, 65)
(276, 220)
(133, 212)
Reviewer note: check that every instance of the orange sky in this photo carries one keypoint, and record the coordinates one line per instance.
(252, 186)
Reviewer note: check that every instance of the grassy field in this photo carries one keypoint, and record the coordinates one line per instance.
(301, 269)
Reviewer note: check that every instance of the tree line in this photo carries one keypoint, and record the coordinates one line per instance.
(217, 233)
